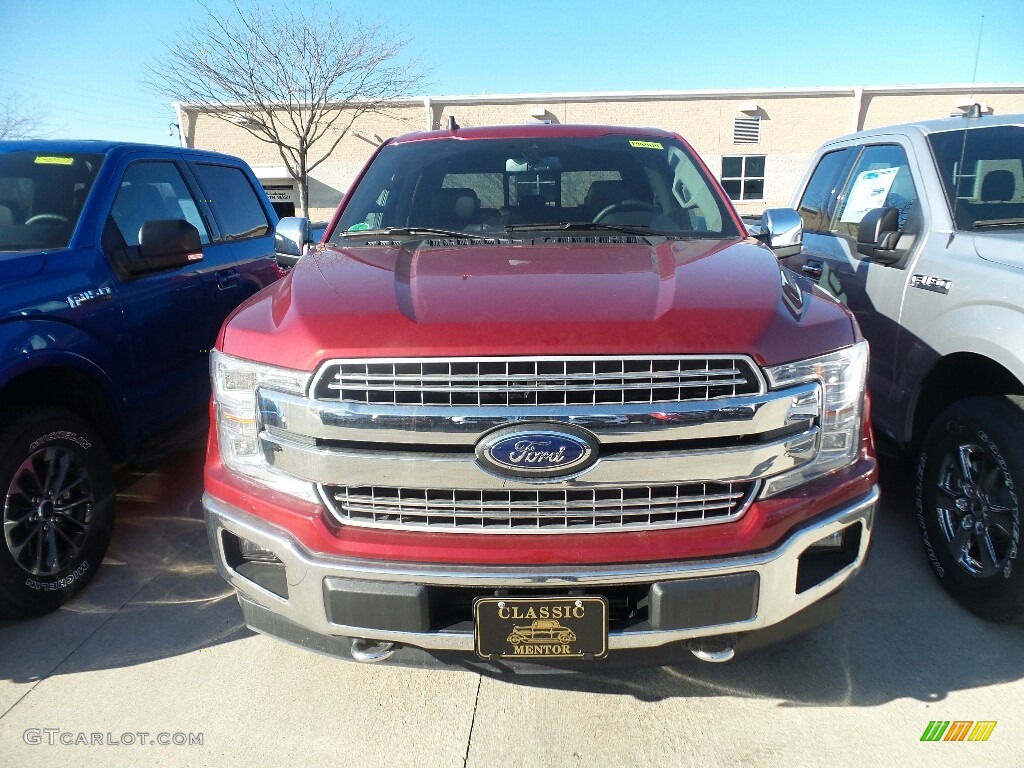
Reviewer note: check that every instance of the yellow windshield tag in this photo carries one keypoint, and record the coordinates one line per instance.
(54, 160)
(646, 144)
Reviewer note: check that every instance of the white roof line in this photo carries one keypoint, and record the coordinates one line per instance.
(733, 92)
(515, 98)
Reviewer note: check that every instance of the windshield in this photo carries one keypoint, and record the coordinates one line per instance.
(489, 187)
(982, 175)
(41, 197)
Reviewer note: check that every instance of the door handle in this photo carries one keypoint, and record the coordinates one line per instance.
(228, 279)
(812, 268)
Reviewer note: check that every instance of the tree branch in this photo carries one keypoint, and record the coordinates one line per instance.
(286, 74)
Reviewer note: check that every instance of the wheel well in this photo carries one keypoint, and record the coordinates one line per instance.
(73, 391)
(964, 374)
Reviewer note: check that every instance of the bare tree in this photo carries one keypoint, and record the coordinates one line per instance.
(297, 78)
(21, 118)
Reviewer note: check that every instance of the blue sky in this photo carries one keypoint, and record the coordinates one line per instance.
(82, 62)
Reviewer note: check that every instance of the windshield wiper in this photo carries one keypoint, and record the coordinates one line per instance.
(408, 231)
(993, 223)
(577, 226)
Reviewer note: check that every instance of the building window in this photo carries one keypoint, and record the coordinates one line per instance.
(743, 177)
(746, 129)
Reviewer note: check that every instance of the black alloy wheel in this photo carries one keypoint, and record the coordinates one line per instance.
(969, 475)
(58, 509)
(48, 510)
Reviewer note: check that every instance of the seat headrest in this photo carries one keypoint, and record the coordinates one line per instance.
(531, 205)
(998, 187)
(466, 206)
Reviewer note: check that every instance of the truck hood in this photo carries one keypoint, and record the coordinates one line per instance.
(418, 299)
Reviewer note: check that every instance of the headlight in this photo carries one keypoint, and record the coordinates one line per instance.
(843, 376)
(235, 382)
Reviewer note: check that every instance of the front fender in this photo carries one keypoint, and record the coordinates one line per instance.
(32, 346)
(993, 331)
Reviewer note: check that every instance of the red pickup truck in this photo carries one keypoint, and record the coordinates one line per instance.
(539, 373)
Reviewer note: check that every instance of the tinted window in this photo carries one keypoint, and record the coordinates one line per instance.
(487, 186)
(576, 185)
(235, 202)
(41, 197)
(151, 191)
(982, 173)
(819, 198)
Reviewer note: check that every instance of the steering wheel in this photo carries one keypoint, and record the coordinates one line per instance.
(625, 205)
(39, 218)
(684, 197)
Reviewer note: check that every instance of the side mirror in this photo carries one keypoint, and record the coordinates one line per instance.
(166, 243)
(782, 230)
(290, 240)
(877, 235)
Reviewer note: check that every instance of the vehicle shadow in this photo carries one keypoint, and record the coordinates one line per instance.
(898, 635)
(156, 595)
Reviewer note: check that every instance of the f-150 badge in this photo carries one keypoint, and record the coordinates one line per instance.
(930, 283)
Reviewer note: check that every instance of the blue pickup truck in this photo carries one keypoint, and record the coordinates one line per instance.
(119, 262)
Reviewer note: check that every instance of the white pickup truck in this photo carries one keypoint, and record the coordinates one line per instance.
(919, 230)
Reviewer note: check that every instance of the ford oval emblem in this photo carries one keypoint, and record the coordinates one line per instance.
(538, 451)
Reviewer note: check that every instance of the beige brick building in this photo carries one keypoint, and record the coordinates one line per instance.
(758, 142)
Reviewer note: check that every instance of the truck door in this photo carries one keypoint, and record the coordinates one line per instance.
(168, 311)
(844, 186)
(245, 224)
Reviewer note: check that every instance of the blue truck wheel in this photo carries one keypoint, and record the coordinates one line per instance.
(58, 509)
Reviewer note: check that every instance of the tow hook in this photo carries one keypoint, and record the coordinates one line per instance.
(371, 651)
(713, 649)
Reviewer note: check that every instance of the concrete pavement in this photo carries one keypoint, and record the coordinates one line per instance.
(154, 650)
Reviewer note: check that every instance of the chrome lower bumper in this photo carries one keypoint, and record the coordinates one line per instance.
(777, 599)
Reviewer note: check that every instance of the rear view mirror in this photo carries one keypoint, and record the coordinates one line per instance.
(782, 230)
(878, 234)
(533, 165)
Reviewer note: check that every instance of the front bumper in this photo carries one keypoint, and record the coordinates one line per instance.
(319, 598)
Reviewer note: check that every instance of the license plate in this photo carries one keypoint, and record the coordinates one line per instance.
(541, 627)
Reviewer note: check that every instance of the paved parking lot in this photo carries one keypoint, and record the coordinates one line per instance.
(152, 659)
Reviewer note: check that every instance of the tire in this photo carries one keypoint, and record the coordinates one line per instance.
(57, 496)
(969, 474)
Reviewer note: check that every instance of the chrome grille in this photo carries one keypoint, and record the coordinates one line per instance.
(642, 507)
(540, 382)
